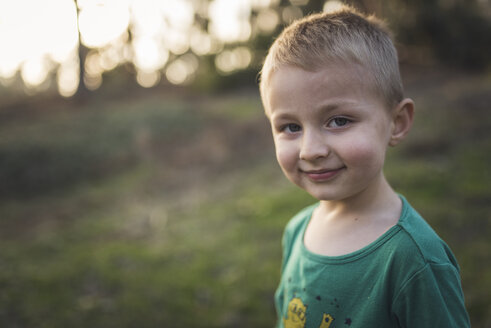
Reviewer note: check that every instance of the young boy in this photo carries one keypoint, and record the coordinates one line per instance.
(362, 256)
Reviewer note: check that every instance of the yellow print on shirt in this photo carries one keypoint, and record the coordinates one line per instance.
(296, 315)
(295, 318)
(327, 319)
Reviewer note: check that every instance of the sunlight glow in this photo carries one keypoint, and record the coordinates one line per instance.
(100, 21)
(93, 70)
(177, 41)
(179, 13)
(291, 13)
(93, 63)
(150, 55)
(299, 2)
(182, 69)
(147, 79)
(41, 37)
(200, 42)
(231, 60)
(93, 82)
(177, 72)
(31, 31)
(258, 4)
(67, 76)
(229, 20)
(267, 20)
(146, 18)
(34, 71)
(332, 5)
(160, 27)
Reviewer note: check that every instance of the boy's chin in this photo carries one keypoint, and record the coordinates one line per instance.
(329, 195)
(322, 192)
(323, 195)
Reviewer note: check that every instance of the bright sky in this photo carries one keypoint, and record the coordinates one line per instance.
(38, 37)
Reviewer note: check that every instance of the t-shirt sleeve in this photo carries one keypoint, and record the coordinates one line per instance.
(432, 297)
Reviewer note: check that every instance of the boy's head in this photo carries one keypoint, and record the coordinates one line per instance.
(332, 92)
(341, 37)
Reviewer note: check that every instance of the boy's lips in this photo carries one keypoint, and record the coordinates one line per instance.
(322, 174)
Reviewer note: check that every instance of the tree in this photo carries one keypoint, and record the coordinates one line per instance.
(82, 90)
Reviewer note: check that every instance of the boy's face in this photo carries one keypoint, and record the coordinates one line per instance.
(330, 130)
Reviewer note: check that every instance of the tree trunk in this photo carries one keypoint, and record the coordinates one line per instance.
(82, 91)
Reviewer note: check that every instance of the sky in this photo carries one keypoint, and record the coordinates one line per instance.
(39, 38)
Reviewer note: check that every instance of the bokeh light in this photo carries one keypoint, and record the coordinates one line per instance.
(67, 77)
(34, 70)
(151, 34)
(267, 20)
(100, 22)
(150, 55)
(299, 2)
(332, 5)
(200, 42)
(147, 79)
(258, 4)
(33, 33)
(229, 20)
(232, 60)
(291, 13)
(182, 69)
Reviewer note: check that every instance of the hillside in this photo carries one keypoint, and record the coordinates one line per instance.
(166, 209)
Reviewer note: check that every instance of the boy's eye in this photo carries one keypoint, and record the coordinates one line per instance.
(292, 128)
(338, 122)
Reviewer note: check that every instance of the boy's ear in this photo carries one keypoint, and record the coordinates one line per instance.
(402, 120)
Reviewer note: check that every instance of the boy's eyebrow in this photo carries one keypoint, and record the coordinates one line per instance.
(336, 105)
(329, 107)
(282, 116)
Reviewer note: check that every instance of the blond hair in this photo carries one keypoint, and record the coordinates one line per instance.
(342, 36)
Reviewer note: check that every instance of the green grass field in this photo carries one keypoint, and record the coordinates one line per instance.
(167, 211)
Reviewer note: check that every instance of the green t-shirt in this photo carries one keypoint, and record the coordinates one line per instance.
(408, 277)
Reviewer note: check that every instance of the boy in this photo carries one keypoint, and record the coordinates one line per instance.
(362, 256)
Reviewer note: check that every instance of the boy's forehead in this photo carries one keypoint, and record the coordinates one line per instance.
(330, 79)
(291, 86)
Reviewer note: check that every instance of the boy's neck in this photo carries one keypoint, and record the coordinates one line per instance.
(342, 227)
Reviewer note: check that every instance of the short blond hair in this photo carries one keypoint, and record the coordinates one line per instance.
(342, 36)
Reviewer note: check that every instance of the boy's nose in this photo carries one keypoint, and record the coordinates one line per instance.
(313, 146)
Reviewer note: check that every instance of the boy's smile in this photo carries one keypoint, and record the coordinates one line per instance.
(331, 130)
(322, 174)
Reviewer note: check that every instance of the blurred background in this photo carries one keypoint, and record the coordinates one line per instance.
(138, 184)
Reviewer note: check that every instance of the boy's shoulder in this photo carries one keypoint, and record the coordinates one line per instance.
(418, 236)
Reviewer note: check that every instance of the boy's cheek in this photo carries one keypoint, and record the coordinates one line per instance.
(364, 154)
(285, 155)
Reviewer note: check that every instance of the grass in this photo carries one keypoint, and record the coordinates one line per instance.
(168, 211)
